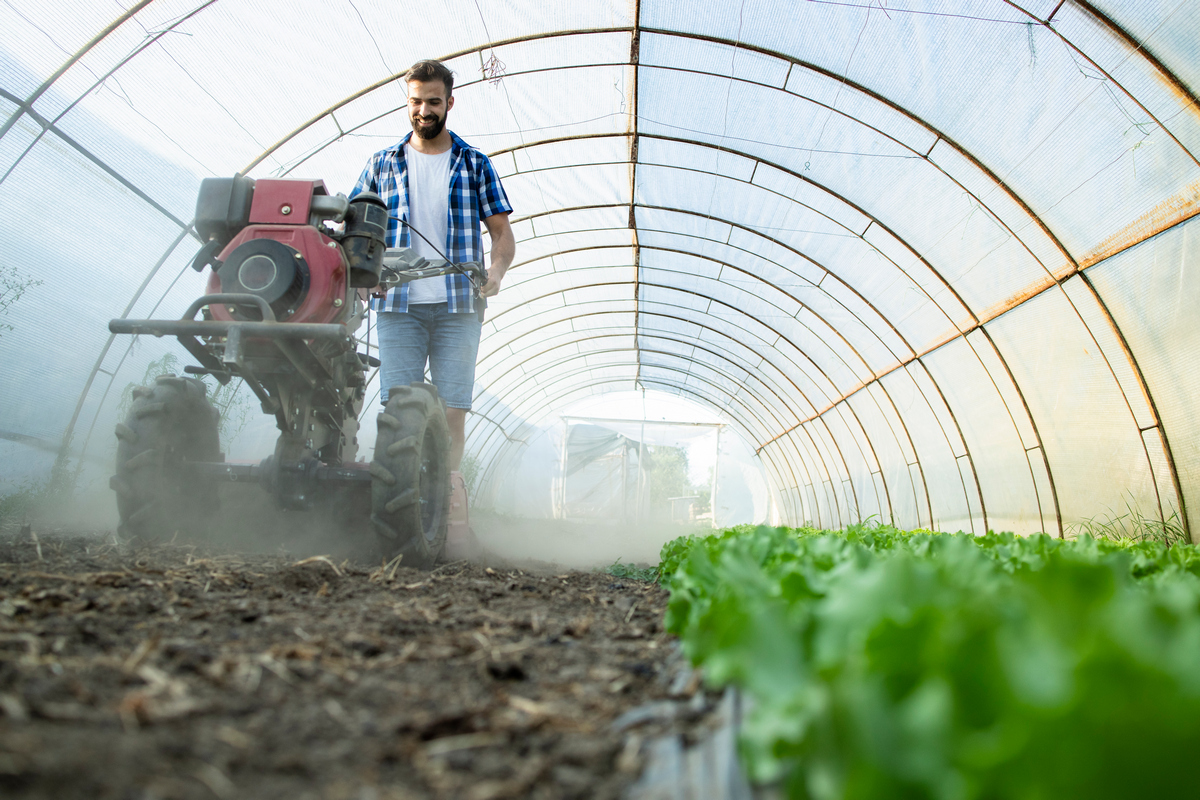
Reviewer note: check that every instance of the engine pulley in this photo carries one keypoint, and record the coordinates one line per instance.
(270, 269)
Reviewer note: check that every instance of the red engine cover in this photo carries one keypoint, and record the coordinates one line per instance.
(277, 202)
(279, 211)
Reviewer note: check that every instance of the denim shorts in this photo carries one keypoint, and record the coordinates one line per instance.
(428, 333)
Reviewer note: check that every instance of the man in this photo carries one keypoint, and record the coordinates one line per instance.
(439, 186)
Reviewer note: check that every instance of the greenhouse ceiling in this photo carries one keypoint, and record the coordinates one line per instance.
(933, 259)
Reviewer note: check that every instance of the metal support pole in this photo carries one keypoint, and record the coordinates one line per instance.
(562, 489)
(641, 461)
(712, 489)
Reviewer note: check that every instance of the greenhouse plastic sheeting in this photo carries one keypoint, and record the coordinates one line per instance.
(934, 261)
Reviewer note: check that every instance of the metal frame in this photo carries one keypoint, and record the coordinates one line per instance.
(646, 333)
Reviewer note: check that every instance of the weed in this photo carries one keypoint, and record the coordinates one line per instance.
(1132, 526)
(631, 572)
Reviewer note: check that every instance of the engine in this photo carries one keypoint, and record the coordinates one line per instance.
(269, 238)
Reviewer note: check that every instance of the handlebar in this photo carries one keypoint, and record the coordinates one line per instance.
(402, 265)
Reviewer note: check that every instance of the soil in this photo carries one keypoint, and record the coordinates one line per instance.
(186, 671)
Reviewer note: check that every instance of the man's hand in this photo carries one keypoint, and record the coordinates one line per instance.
(504, 247)
(491, 288)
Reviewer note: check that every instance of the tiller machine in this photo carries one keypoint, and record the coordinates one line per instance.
(288, 261)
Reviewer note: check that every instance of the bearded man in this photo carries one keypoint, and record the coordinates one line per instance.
(438, 185)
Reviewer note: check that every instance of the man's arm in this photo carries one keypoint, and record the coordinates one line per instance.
(504, 247)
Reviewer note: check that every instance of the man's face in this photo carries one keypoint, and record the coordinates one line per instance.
(427, 107)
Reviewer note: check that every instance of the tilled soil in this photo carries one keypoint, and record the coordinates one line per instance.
(171, 671)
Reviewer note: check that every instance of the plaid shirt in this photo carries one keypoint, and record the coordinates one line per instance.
(475, 195)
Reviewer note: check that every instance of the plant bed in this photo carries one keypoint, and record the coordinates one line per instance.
(172, 671)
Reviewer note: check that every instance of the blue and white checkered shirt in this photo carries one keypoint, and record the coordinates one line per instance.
(475, 195)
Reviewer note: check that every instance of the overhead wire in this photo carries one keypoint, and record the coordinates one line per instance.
(496, 80)
(374, 41)
(841, 85)
(733, 54)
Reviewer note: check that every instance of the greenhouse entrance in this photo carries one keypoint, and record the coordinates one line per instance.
(626, 471)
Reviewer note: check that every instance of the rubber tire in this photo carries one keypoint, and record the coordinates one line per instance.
(410, 476)
(169, 422)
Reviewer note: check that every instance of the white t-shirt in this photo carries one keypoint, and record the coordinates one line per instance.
(428, 211)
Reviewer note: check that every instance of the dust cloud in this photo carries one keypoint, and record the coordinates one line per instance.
(574, 545)
(247, 520)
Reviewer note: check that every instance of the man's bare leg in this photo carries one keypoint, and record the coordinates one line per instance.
(456, 418)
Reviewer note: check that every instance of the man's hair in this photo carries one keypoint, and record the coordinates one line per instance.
(430, 70)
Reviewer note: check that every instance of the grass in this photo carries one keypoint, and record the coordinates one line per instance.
(631, 572)
(1133, 526)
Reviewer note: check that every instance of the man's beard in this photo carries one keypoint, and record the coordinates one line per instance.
(429, 130)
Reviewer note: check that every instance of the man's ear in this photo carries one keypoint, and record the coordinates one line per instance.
(450, 103)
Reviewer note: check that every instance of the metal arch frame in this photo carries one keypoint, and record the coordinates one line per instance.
(1153, 406)
(48, 126)
(614, 358)
(938, 133)
(758, 428)
(949, 445)
(636, 135)
(709, 347)
(679, 388)
(874, 220)
(918, 496)
(916, 154)
(978, 486)
(823, 438)
(69, 433)
(1053, 498)
(1033, 423)
(1088, 8)
(858, 444)
(979, 322)
(965, 154)
(976, 319)
(26, 106)
(828, 274)
(1035, 218)
(637, 29)
(826, 458)
(921, 497)
(566, 341)
(840, 357)
(777, 379)
(722, 357)
(1155, 63)
(821, 411)
(854, 428)
(817, 263)
(590, 389)
(899, 437)
(780, 335)
(1138, 48)
(846, 343)
(635, 59)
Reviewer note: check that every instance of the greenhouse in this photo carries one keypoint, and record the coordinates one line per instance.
(927, 260)
(841, 264)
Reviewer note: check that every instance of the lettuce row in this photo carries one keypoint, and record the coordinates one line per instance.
(883, 663)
